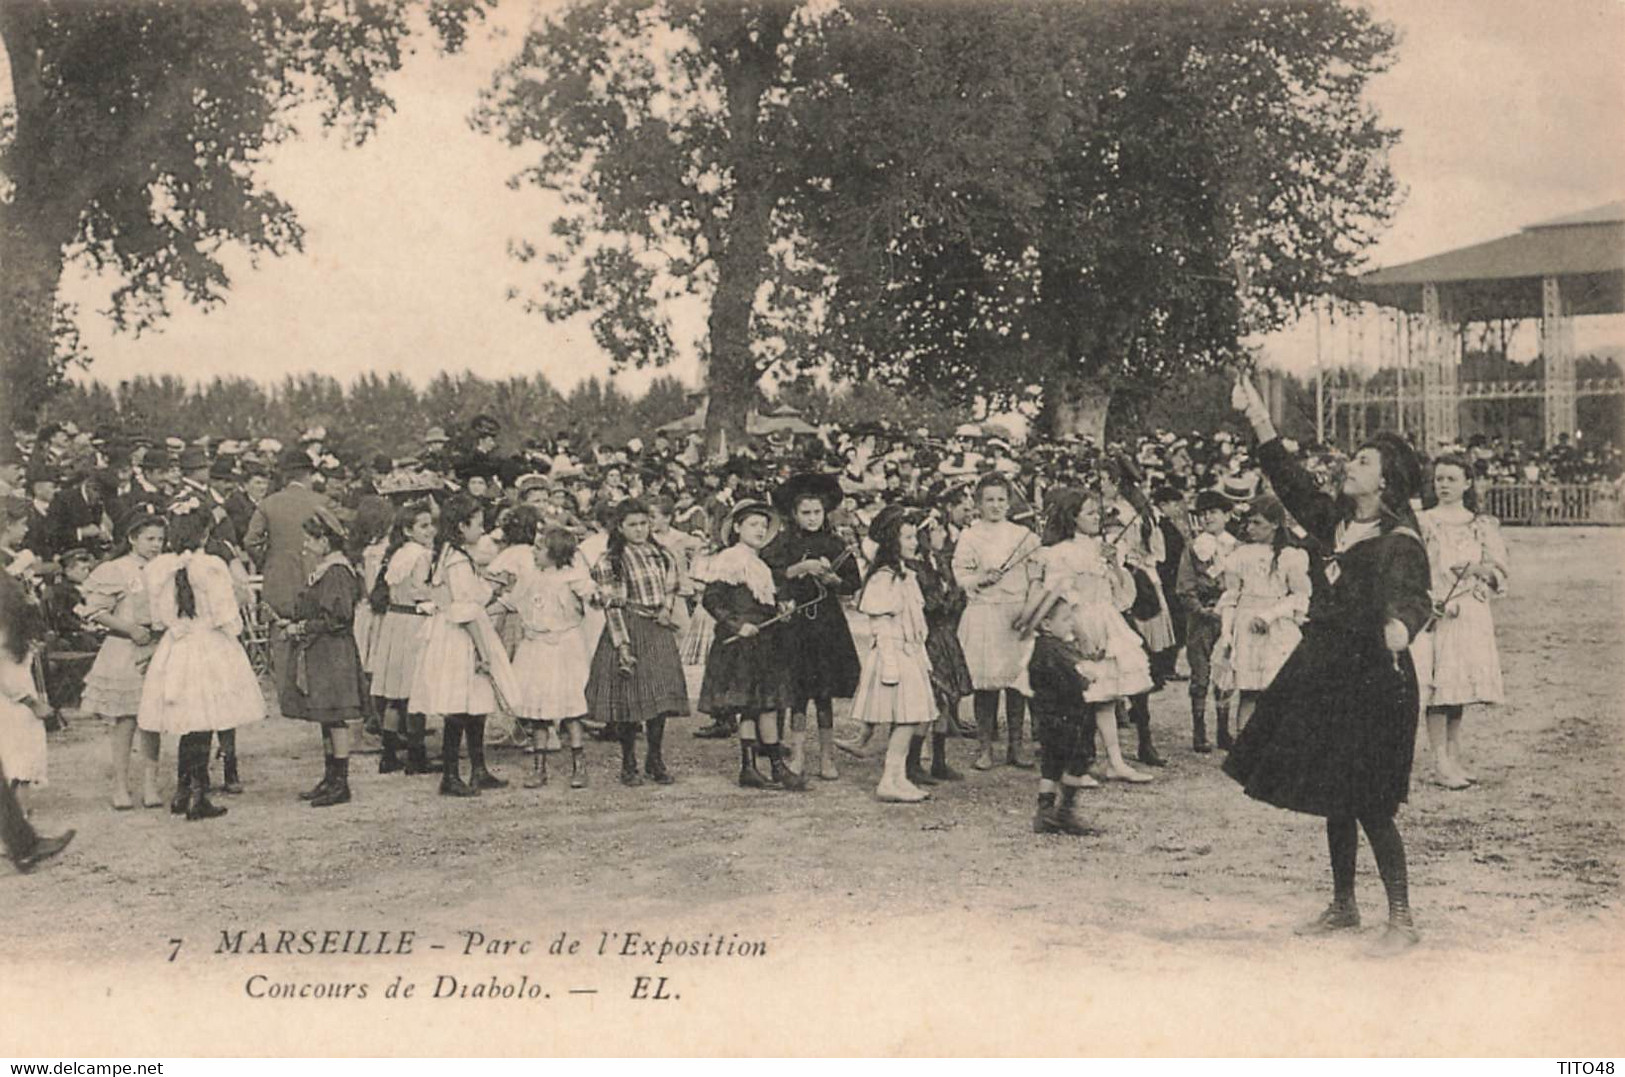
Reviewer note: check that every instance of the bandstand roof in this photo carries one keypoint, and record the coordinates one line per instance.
(1502, 278)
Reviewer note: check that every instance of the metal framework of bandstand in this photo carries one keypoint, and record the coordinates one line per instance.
(1556, 271)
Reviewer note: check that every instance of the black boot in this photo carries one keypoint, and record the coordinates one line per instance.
(479, 777)
(1015, 719)
(629, 755)
(1147, 753)
(1044, 820)
(722, 727)
(183, 778)
(1221, 713)
(338, 790)
(322, 786)
(578, 769)
(390, 761)
(1199, 742)
(200, 807)
(655, 764)
(417, 750)
(749, 776)
(451, 781)
(1066, 813)
(231, 784)
(783, 776)
(914, 770)
(940, 770)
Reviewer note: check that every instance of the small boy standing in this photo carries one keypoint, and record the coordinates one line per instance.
(1200, 585)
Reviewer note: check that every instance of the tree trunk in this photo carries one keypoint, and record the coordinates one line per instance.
(1077, 406)
(747, 55)
(30, 272)
(34, 227)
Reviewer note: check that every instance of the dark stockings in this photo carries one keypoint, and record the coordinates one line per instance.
(1343, 842)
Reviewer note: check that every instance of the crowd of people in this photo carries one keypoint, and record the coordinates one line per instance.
(572, 591)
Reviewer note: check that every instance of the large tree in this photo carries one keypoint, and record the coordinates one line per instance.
(1178, 175)
(136, 131)
(652, 120)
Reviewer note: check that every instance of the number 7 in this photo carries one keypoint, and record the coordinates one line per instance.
(176, 943)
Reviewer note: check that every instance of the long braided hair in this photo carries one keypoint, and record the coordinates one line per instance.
(188, 531)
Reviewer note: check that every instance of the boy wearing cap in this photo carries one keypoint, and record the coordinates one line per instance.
(1200, 585)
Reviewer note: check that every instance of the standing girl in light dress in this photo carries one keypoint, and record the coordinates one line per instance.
(990, 564)
(1265, 600)
(462, 665)
(1456, 660)
(200, 680)
(400, 597)
(116, 598)
(1142, 548)
(551, 662)
(894, 690)
(1079, 593)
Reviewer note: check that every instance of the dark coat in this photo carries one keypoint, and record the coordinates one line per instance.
(1334, 734)
(323, 681)
(748, 675)
(944, 602)
(824, 663)
(276, 541)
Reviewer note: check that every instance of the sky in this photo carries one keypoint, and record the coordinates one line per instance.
(1510, 113)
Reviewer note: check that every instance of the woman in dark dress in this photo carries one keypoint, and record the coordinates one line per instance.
(1334, 733)
(745, 672)
(814, 569)
(322, 682)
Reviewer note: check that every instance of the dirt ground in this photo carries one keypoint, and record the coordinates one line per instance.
(945, 927)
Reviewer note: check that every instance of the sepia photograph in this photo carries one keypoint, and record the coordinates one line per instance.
(812, 528)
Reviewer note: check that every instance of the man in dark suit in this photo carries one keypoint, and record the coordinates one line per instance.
(42, 488)
(77, 515)
(252, 487)
(276, 535)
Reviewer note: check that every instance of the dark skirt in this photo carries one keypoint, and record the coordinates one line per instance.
(321, 681)
(747, 676)
(654, 689)
(1335, 733)
(824, 660)
(950, 676)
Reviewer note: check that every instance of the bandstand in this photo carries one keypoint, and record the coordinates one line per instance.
(1556, 271)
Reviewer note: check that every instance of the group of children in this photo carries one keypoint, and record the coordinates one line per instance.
(435, 612)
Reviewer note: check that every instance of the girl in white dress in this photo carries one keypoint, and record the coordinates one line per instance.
(399, 597)
(1079, 594)
(1457, 663)
(1265, 600)
(894, 691)
(116, 598)
(1142, 548)
(462, 666)
(552, 661)
(200, 680)
(990, 563)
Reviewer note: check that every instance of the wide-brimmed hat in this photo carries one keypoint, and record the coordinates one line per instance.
(826, 488)
(435, 436)
(750, 508)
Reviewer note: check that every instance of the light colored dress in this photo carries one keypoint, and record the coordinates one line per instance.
(553, 660)
(895, 688)
(22, 736)
(462, 665)
(1158, 629)
(1456, 659)
(1096, 594)
(399, 640)
(1258, 584)
(113, 685)
(996, 654)
(199, 679)
(367, 623)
